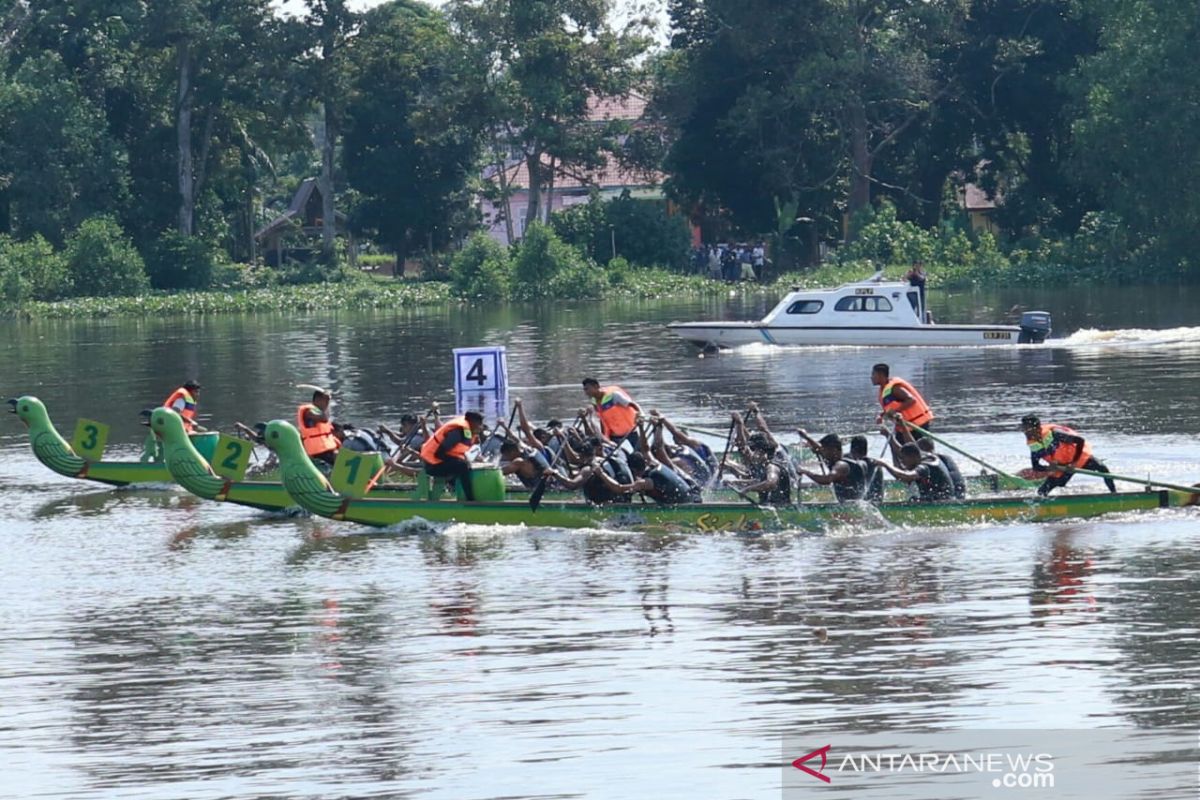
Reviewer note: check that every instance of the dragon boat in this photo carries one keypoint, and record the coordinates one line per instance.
(188, 467)
(83, 457)
(315, 493)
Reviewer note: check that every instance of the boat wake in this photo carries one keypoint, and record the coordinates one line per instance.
(1181, 337)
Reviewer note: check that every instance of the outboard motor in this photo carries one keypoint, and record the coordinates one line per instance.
(1035, 327)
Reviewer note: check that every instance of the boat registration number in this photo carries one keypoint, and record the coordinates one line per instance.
(997, 334)
(864, 291)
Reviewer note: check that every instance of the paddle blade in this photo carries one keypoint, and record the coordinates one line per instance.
(535, 498)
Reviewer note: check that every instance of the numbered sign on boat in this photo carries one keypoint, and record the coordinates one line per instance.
(481, 381)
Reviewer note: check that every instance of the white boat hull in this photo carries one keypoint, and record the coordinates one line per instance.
(735, 334)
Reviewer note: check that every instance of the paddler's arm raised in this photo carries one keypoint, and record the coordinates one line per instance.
(523, 424)
(677, 435)
(752, 408)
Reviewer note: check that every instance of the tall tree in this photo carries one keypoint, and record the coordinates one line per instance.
(413, 126)
(1137, 141)
(812, 95)
(545, 60)
(332, 25)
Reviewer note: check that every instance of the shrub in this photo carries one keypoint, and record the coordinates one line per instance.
(176, 261)
(644, 232)
(243, 276)
(102, 262)
(482, 269)
(579, 281)
(884, 239)
(540, 258)
(31, 270)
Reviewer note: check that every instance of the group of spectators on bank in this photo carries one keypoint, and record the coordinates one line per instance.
(730, 262)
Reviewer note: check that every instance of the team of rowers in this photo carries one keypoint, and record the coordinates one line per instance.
(615, 450)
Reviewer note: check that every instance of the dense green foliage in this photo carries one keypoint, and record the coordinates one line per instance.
(642, 230)
(176, 261)
(31, 270)
(101, 261)
(170, 132)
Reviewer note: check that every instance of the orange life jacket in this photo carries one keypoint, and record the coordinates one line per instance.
(1063, 453)
(188, 412)
(429, 450)
(918, 413)
(317, 438)
(615, 420)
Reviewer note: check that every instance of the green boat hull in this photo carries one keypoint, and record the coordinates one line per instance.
(711, 517)
(313, 492)
(53, 451)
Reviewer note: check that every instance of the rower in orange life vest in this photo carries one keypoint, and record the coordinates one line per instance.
(183, 402)
(899, 398)
(1059, 446)
(444, 455)
(315, 424)
(617, 411)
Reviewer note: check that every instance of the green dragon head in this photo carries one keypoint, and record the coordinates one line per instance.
(31, 411)
(284, 439)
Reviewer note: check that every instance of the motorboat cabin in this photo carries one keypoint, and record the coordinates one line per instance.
(869, 313)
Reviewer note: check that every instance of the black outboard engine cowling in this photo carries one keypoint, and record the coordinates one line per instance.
(1035, 327)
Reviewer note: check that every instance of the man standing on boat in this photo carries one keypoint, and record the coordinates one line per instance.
(1062, 447)
(617, 411)
(899, 399)
(315, 424)
(445, 454)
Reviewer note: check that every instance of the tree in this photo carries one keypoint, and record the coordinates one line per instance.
(332, 25)
(545, 60)
(58, 165)
(411, 126)
(1137, 142)
(778, 105)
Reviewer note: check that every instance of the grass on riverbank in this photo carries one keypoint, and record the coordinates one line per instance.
(366, 293)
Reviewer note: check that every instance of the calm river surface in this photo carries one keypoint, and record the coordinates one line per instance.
(153, 645)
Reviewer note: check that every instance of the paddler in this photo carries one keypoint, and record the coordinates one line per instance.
(183, 401)
(528, 465)
(617, 411)
(315, 424)
(956, 476)
(768, 475)
(445, 454)
(932, 481)
(900, 399)
(1063, 449)
(847, 476)
(657, 481)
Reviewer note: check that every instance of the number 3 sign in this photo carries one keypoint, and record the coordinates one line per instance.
(481, 380)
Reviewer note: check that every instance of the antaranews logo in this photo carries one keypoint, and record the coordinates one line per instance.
(823, 752)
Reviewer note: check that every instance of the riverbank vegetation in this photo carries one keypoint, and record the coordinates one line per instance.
(161, 151)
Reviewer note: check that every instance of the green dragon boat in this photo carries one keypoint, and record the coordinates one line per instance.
(188, 467)
(83, 458)
(314, 492)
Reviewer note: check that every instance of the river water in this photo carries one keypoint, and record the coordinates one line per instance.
(153, 645)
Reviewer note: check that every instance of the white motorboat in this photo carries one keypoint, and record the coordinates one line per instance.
(869, 313)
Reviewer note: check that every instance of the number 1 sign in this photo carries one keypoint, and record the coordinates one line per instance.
(481, 381)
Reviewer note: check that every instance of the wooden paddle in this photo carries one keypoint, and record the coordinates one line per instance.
(1006, 481)
(1143, 481)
